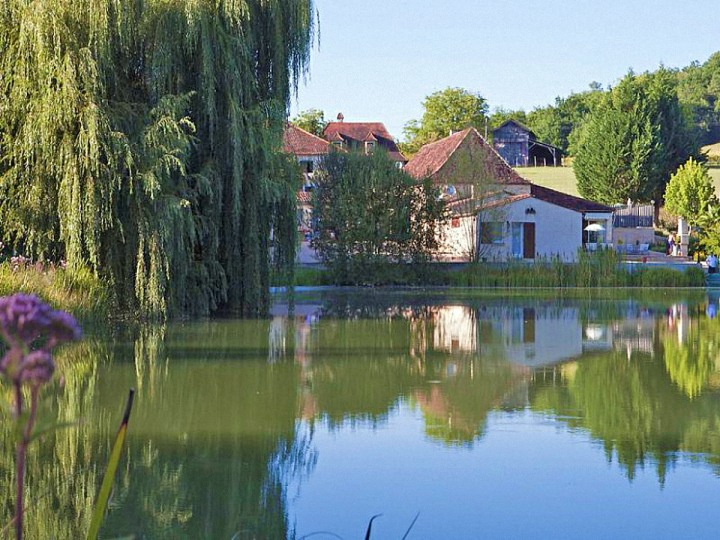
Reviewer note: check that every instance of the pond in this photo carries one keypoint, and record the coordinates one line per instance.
(452, 414)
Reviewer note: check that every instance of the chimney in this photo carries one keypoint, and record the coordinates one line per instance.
(340, 117)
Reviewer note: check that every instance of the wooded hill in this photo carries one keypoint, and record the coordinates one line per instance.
(698, 90)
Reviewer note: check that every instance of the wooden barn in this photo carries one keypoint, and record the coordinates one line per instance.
(519, 146)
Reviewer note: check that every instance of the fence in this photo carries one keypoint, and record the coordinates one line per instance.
(630, 217)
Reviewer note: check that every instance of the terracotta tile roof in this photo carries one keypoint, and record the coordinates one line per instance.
(357, 131)
(360, 132)
(551, 196)
(567, 201)
(299, 142)
(434, 160)
(304, 196)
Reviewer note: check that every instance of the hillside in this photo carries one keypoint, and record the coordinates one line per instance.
(563, 178)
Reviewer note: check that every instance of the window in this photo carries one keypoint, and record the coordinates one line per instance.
(491, 233)
(369, 147)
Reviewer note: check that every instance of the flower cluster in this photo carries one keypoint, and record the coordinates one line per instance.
(27, 322)
(19, 262)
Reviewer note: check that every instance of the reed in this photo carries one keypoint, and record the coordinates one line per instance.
(599, 269)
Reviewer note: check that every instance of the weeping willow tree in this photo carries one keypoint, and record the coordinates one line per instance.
(139, 138)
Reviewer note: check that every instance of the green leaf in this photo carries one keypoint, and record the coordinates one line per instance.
(109, 478)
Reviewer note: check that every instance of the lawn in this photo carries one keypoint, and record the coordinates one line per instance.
(563, 178)
(558, 178)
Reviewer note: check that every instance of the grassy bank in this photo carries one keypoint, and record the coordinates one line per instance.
(563, 178)
(80, 293)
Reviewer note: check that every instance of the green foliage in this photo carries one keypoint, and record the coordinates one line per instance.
(79, 292)
(371, 215)
(452, 109)
(312, 120)
(699, 93)
(556, 124)
(709, 229)
(139, 141)
(690, 191)
(632, 141)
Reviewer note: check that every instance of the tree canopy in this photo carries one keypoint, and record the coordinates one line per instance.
(140, 140)
(633, 140)
(445, 111)
(312, 120)
(690, 191)
(369, 212)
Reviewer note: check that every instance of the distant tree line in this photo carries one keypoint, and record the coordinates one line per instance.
(697, 87)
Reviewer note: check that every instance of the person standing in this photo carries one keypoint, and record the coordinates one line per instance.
(671, 244)
(712, 262)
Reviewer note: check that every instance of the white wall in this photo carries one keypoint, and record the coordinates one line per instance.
(456, 243)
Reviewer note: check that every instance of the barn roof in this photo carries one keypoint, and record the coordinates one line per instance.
(431, 158)
(518, 124)
(299, 142)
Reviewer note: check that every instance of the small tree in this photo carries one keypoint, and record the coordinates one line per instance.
(370, 212)
(311, 120)
(690, 192)
(452, 109)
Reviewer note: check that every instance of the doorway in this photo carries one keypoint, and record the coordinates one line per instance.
(528, 240)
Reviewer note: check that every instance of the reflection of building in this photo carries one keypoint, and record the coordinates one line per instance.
(537, 335)
(454, 329)
(527, 335)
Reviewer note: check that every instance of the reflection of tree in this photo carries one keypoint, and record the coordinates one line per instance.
(462, 393)
(60, 479)
(211, 444)
(213, 436)
(631, 405)
(694, 362)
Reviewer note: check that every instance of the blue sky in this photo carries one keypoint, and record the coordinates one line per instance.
(378, 59)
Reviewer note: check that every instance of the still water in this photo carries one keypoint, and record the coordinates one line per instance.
(475, 416)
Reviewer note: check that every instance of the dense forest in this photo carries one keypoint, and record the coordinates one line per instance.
(697, 87)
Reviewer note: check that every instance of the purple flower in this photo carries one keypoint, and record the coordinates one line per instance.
(37, 367)
(24, 319)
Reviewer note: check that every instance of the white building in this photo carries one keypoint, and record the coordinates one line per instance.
(497, 215)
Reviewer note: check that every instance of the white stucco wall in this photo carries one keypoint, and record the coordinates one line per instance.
(558, 230)
(457, 242)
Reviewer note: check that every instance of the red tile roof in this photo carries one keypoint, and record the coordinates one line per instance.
(357, 131)
(567, 201)
(299, 142)
(434, 160)
(304, 196)
(360, 132)
(551, 196)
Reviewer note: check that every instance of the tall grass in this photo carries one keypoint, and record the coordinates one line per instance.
(598, 269)
(79, 292)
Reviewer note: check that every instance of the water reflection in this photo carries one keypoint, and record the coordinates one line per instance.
(227, 410)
